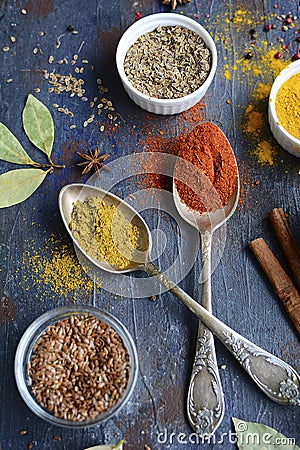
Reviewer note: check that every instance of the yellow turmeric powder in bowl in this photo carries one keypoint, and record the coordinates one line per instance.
(287, 105)
(284, 108)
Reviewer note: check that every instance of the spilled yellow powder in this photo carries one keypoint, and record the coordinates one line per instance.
(226, 72)
(265, 153)
(227, 27)
(255, 124)
(57, 271)
(254, 120)
(275, 66)
(260, 66)
(262, 91)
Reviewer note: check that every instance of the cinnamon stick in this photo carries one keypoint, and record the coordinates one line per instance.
(286, 241)
(280, 281)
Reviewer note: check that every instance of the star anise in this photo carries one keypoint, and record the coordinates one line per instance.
(93, 160)
(174, 3)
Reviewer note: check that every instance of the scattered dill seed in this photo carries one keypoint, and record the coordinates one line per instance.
(5, 49)
(22, 432)
(54, 105)
(60, 109)
(50, 59)
(177, 62)
(58, 40)
(37, 90)
(24, 11)
(35, 50)
(72, 127)
(74, 32)
(101, 128)
(85, 124)
(80, 47)
(13, 39)
(41, 33)
(84, 61)
(60, 61)
(75, 57)
(9, 80)
(84, 99)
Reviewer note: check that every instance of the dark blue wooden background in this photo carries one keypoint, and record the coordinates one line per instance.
(164, 330)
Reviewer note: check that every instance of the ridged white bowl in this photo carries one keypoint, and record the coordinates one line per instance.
(285, 139)
(149, 23)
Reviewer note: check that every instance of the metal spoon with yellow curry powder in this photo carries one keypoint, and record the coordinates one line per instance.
(274, 377)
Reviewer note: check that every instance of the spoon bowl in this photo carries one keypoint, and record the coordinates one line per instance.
(71, 193)
(207, 220)
(271, 374)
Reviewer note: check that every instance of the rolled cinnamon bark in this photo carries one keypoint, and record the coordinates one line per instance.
(286, 241)
(280, 281)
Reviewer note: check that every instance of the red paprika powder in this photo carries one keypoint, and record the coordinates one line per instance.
(209, 151)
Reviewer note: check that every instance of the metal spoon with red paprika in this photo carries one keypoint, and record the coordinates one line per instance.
(206, 192)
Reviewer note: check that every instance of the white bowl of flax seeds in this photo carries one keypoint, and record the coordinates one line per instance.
(76, 366)
(166, 62)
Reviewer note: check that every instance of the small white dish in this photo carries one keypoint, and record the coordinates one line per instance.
(145, 25)
(282, 136)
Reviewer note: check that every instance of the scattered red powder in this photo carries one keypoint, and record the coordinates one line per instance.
(156, 142)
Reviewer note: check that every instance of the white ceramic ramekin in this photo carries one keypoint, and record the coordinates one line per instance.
(149, 23)
(285, 139)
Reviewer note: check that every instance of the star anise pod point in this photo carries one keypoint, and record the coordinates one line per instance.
(93, 160)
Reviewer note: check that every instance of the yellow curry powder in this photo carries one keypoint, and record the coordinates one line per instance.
(254, 120)
(57, 269)
(255, 123)
(103, 232)
(287, 105)
(250, 64)
(265, 152)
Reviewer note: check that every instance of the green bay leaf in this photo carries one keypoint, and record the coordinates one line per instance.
(256, 436)
(17, 185)
(10, 148)
(38, 124)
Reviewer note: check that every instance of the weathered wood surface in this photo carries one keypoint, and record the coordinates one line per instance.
(164, 330)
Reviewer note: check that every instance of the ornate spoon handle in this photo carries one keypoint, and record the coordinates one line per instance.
(274, 377)
(205, 401)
